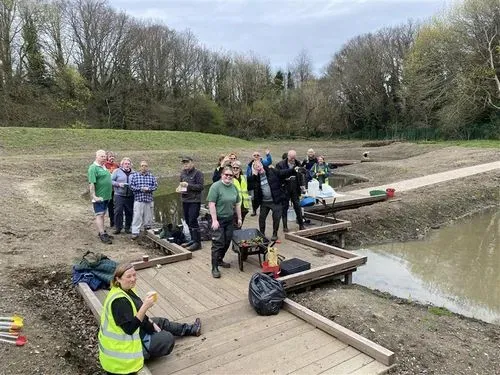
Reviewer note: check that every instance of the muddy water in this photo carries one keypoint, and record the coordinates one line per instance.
(168, 206)
(457, 267)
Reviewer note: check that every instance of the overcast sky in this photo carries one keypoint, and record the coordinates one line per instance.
(279, 29)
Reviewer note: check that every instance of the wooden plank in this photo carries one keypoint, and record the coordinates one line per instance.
(162, 308)
(327, 362)
(179, 298)
(328, 228)
(212, 318)
(226, 333)
(91, 300)
(318, 217)
(355, 363)
(169, 246)
(139, 265)
(320, 245)
(317, 280)
(347, 203)
(206, 358)
(271, 357)
(206, 295)
(347, 336)
(321, 271)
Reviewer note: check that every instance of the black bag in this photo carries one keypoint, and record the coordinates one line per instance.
(265, 294)
(205, 224)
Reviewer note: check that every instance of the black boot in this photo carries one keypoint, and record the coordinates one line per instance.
(196, 236)
(196, 327)
(215, 272)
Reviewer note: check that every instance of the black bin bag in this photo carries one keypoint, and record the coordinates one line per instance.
(265, 294)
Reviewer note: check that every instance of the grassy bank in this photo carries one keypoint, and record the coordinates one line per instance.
(45, 140)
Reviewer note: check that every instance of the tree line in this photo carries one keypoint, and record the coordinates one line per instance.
(82, 63)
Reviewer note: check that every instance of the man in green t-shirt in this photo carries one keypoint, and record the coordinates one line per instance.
(223, 200)
(100, 192)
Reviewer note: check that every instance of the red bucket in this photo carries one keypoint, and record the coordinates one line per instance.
(274, 270)
(390, 192)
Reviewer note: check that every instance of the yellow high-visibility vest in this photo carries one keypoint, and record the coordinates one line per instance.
(119, 352)
(243, 190)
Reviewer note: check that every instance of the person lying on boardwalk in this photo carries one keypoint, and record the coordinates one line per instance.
(127, 336)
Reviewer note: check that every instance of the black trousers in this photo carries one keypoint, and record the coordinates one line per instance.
(265, 207)
(123, 205)
(163, 342)
(221, 239)
(296, 208)
(191, 212)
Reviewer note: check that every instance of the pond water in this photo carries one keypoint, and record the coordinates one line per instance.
(168, 206)
(457, 267)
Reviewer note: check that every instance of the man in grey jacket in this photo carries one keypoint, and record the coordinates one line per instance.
(123, 197)
(191, 188)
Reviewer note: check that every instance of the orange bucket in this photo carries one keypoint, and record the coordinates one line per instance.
(390, 192)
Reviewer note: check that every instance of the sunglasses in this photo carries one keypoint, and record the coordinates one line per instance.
(229, 175)
(256, 156)
(236, 167)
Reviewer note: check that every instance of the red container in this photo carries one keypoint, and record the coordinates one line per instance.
(267, 269)
(390, 192)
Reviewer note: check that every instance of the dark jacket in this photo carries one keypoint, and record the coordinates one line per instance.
(292, 185)
(308, 164)
(275, 178)
(195, 181)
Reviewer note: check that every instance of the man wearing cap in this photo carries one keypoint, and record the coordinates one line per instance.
(191, 188)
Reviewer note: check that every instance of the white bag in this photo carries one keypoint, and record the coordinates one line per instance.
(185, 230)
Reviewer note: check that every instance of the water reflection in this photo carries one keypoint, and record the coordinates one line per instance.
(457, 267)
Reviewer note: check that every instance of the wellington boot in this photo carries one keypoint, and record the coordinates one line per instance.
(215, 273)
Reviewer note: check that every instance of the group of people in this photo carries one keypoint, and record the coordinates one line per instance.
(127, 336)
(128, 194)
(270, 188)
(123, 193)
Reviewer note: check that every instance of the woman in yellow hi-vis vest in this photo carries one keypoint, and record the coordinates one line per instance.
(127, 336)
(240, 181)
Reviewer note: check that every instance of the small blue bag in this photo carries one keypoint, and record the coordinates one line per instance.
(307, 202)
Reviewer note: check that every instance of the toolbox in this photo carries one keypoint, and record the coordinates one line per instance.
(293, 265)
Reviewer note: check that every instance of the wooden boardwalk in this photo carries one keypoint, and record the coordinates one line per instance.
(235, 339)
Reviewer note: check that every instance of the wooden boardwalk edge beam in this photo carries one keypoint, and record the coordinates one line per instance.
(96, 307)
(171, 247)
(328, 228)
(320, 245)
(139, 265)
(374, 350)
(322, 271)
